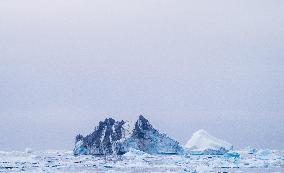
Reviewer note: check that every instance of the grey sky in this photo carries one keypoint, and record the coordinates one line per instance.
(185, 65)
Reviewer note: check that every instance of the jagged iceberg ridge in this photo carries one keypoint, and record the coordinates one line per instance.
(202, 142)
(115, 137)
(104, 139)
(149, 140)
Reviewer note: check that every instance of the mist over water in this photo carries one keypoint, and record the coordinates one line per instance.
(184, 65)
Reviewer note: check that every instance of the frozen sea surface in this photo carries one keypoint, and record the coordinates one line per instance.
(64, 161)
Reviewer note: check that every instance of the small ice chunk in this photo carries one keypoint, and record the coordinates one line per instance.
(28, 150)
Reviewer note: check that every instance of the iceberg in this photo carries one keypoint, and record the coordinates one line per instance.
(117, 138)
(104, 140)
(202, 142)
(149, 140)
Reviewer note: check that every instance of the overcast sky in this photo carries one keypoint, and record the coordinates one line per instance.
(186, 65)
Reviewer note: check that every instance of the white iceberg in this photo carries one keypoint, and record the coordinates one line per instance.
(202, 142)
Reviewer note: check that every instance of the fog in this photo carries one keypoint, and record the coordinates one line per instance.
(185, 65)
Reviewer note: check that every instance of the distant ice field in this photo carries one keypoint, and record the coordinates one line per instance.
(63, 161)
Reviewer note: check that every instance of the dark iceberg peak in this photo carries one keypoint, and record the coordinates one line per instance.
(79, 137)
(107, 122)
(142, 124)
(103, 140)
(147, 139)
(142, 118)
